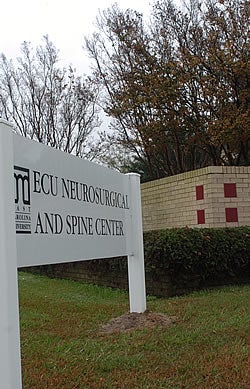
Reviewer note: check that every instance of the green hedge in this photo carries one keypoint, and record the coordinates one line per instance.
(177, 261)
(214, 253)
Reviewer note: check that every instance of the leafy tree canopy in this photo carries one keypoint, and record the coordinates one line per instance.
(178, 87)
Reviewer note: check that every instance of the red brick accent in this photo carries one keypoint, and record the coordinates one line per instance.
(231, 215)
(201, 216)
(230, 190)
(199, 192)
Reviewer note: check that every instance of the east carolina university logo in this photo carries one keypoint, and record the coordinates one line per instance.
(22, 200)
(22, 185)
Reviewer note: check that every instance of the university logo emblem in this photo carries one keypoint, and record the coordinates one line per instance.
(22, 185)
(22, 200)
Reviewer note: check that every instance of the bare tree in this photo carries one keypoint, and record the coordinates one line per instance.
(48, 103)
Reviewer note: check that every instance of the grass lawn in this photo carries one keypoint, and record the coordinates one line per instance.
(62, 349)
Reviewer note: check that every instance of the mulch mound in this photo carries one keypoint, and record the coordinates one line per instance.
(135, 321)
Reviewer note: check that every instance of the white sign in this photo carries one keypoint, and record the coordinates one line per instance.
(60, 209)
(67, 208)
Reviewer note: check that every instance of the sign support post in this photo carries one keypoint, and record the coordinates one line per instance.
(10, 360)
(136, 272)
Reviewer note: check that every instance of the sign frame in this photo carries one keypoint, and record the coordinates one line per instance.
(10, 355)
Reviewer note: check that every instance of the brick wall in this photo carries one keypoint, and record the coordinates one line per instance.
(215, 196)
(111, 272)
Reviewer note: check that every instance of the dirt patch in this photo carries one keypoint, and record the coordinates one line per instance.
(135, 321)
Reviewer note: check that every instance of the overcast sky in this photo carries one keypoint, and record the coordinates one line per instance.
(65, 21)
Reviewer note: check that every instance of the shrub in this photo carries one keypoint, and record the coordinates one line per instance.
(207, 253)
